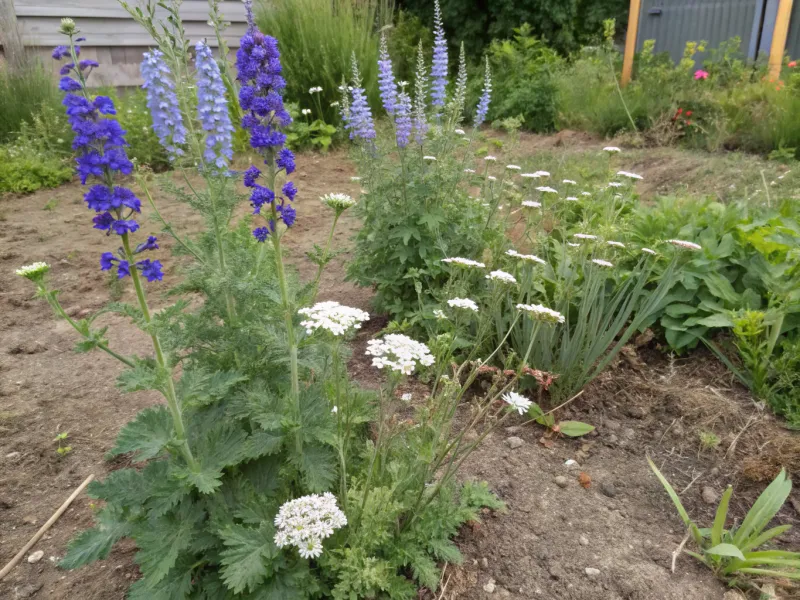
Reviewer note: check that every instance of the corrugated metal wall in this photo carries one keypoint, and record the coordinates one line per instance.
(793, 41)
(672, 23)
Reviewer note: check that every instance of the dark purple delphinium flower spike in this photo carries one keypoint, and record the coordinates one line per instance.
(99, 143)
(439, 66)
(387, 86)
(261, 98)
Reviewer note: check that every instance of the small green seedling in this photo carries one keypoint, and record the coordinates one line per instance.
(567, 428)
(709, 440)
(62, 450)
(733, 553)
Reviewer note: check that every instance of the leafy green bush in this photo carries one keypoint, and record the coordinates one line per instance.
(23, 92)
(24, 170)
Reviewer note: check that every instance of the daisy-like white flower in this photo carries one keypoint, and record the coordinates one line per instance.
(586, 193)
(502, 277)
(490, 158)
(459, 132)
(333, 317)
(584, 236)
(629, 175)
(439, 314)
(542, 173)
(569, 182)
(526, 257)
(513, 167)
(431, 158)
(399, 353)
(612, 149)
(531, 204)
(615, 184)
(685, 245)
(649, 251)
(492, 178)
(407, 397)
(464, 262)
(33, 271)
(338, 202)
(541, 313)
(602, 263)
(304, 522)
(571, 199)
(469, 170)
(615, 244)
(517, 402)
(464, 303)
(546, 189)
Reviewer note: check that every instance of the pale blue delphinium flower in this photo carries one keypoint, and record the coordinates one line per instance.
(212, 110)
(439, 65)
(163, 104)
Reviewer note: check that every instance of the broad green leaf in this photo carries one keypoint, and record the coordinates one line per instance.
(146, 435)
(680, 310)
(318, 467)
(726, 550)
(717, 320)
(574, 428)
(672, 493)
(535, 411)
(161, 540)
(123, 488)
(95, 543)
(764, 509)
(721, 517)
(765, 537)
(177, 583)
(719, 285)
(145, 375)
(225, 445)
(247, 555)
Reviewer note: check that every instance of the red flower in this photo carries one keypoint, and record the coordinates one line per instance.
(688, 113)
(792, 64)
(680, 110)
(688, 122)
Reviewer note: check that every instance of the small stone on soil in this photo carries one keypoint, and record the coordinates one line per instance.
(636, 412)
(561, 481)
(608, 489)
(485, 562)
(629, 433)
(584, 541)
(709, 495)
(514, 442)
(611, 425)
(35, 557)
(26, 591)
(12, 455)
(591, 572)
(489, 587)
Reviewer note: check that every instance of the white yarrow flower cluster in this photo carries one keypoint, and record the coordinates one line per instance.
(526, 257)
(304, 522)
(464, 303)
(685, 245)
(518, 402)
(531, 204)
(490, 158)
(615, 244)
(333, 317)
(469, 170)
(337, 201)
(306, 111)
(459, 132)
(315, 90)
(541, 313)
(571, 199)
(34, 270)
(439, 314)
(584, 236)
(502, 277)
(513, 167)
(612, 149)
(570, 182)
(629, 175)
(602, 263)
(614, 184)
(649, 251)
(464, 262)
(546, 189)
(431, 158)
(586, 193)
(399, 352)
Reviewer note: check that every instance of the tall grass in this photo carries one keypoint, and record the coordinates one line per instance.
(317, 39)
(23, 91)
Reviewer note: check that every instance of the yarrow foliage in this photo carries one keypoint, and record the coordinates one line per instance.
(163, 103)
(212, 110)
(100, 146)
(304, 522)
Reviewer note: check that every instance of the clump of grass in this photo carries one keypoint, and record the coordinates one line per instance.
(24, 91)
(709, 440)
(317, 39)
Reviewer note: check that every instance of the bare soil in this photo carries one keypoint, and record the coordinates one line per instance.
(621, 524)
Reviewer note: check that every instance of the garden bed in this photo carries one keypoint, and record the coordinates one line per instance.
(622, 524)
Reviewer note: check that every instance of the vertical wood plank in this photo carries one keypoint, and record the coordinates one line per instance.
(630, 41)
(10, 36)
(779, 35)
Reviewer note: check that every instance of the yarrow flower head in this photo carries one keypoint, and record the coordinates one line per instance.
(332, 317)
(584, 236)
(502, 277)
(464, 262)
(439, 314)
(486, 96)
(306, 521)
(517, 402)
(212, 110)
(439, 64)
(338, 202)
(513, 167)
(571, 199)
(525, 257)
(649, 251)
(570, 182)
(386, 83)
(429, 158)
(614, 184)
(359, 122)
(612, 149)
(531, 204)
(464, 303)
(602, 263)
(34, 271)
(615, 244)
(629, 175)
(399, 353)
(315, 90)
(684, 245)
(541, 313)
(546, 189)
(700, 74)
(163, 104)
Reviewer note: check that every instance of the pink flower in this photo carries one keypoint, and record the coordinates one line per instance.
(700, 74)
(792, 64)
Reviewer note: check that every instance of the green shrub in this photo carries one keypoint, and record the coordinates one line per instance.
(24, 170)
(23, 92)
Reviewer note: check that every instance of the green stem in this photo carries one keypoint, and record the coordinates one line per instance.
(169, 390)
(324, 259)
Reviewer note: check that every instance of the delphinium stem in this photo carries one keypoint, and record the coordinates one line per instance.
(324, 257)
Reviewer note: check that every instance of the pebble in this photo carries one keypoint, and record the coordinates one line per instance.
(26, 591)
(591, 572)
(35, 557)
(561, 481)
(612, 440)
(584, 541)
(485, 562)
(514, 442)
(637, 412)
(608, 489)
(629, 433)
(611, 425)
(709, 495)
(489, 587)
(13, 455)
(503, 592)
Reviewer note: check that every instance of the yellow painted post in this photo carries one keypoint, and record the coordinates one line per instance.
(630, 41)
(779, 38)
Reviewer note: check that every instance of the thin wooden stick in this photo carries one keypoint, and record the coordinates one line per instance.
(678, 550)
(45, 527)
